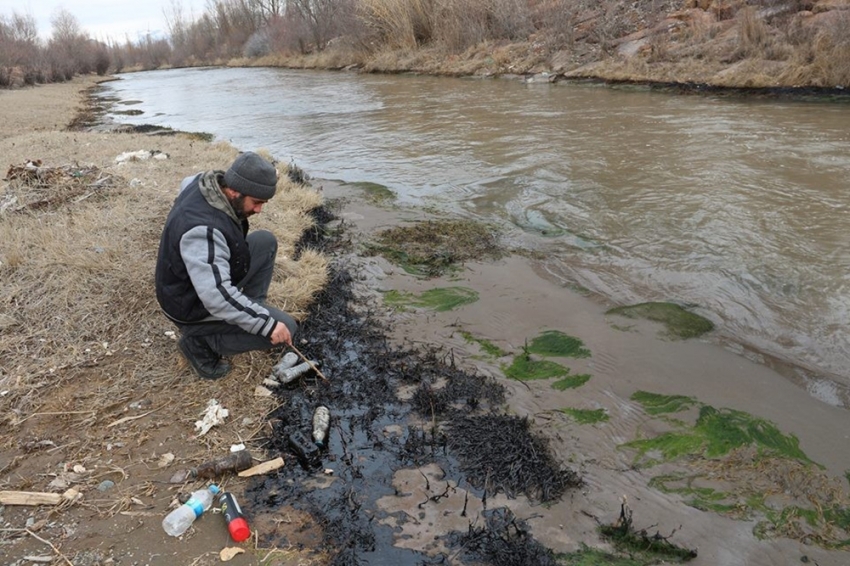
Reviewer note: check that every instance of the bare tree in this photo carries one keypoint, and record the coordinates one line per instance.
(319, 16)
(66, 28)
(268, 9)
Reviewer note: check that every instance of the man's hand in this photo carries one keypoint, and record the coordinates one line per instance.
(280, 334)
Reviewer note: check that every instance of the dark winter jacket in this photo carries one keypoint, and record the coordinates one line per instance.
(202, 256)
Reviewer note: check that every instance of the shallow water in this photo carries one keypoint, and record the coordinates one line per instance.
(736, 206)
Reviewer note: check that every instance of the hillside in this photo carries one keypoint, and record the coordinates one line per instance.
(717, 43)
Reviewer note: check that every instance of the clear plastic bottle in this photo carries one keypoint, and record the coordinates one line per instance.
(321, 422)
(287, 361)
(178, 521)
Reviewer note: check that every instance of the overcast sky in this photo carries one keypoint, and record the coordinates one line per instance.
(106, 19)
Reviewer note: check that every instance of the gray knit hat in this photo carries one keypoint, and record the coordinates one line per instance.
(252, 175)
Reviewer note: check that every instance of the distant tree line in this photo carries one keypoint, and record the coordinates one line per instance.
(25, 60)
(232, 29)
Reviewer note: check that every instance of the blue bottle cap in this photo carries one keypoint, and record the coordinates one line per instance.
(214, 488)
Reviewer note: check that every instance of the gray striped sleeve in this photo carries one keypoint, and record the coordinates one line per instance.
(207, 258)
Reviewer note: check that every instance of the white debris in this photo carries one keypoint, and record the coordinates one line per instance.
(141, 155)
(213, 415)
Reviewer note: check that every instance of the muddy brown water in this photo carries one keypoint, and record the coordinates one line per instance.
(736, 206)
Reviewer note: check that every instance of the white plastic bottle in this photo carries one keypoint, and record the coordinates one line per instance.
(178, 521)
(289, 374)
(287, 361)
(321, 421)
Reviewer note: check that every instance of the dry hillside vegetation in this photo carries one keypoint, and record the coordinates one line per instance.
(723, 43)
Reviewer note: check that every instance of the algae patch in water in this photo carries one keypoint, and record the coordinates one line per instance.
(679, 322)
(549, 343)
(488, 347)
(655, 404)
(432, 248)
(556, 343)
(586, 416)
(702, 498)
(374, 192)
(524, 368)
(571, 382)
(717, 432)
(744, 467)
(440, 299)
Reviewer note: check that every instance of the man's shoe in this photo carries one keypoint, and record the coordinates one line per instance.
(206, 363)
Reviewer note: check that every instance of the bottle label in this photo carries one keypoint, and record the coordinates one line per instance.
(230, 508)
(196, 506)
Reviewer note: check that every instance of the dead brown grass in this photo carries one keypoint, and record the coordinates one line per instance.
(81, 335)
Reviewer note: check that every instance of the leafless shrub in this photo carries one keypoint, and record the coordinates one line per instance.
(398, 23)
(258, 45)
(556, 20)
(462, 23)
(756, 39)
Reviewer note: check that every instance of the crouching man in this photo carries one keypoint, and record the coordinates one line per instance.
(212, 276)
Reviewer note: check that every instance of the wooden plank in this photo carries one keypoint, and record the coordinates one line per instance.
(263, 468)
(29, 498)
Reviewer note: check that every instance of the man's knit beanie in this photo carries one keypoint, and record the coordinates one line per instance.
(252, 175)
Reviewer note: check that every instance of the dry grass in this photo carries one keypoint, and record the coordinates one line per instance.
(82, 334)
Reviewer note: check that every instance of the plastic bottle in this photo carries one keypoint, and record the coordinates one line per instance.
(305, 450)
(178, 521)
(321, 422)
(237, 525)
(288, 375)
(287, 361)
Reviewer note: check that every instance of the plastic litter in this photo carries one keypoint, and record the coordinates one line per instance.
(213, 415)
(178, 521)
(321, 423)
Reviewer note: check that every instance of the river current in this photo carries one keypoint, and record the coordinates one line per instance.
(737, 207)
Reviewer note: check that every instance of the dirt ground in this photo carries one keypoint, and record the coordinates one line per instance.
(72, 438)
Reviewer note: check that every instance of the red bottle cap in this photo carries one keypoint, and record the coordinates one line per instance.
(239, 529)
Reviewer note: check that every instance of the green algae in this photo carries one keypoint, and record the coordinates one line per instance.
(440, 299)
(556, 343)
(764, 474)
(571, 382)
(655, 404)
(433, 248)
(488, 347)
(717, 432)
(374, 192)
(586, 416)
(523, 368)
(702, 498)
(679, 322)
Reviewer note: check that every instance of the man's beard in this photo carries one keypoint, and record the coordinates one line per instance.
(238, 206)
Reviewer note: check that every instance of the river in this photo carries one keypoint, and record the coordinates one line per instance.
(736, 206)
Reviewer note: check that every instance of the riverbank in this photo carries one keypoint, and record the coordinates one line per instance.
(692, 47)
(665, 421)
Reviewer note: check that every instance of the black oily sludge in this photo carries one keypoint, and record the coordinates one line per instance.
(364, 372)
